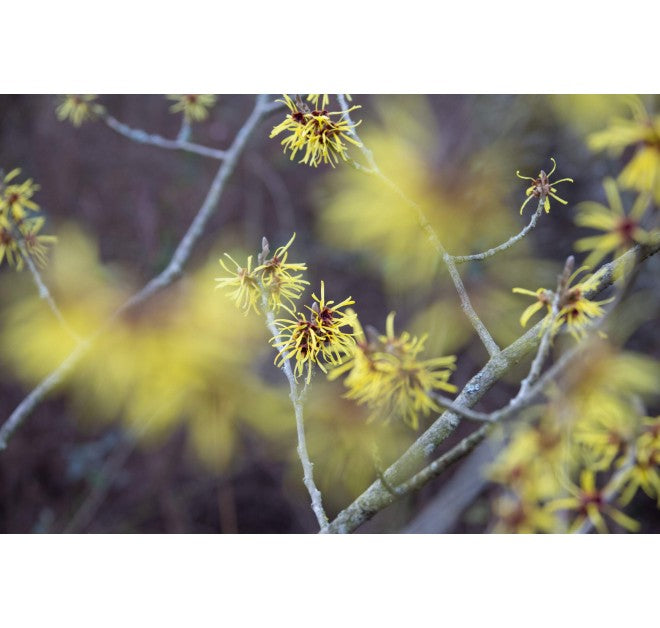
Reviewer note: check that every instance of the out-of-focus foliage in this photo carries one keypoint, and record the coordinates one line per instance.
(464, 205)
(567, 455)
(185, 356)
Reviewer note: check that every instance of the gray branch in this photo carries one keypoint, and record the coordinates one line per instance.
(296, 399)
(142, 137)
(461, 259)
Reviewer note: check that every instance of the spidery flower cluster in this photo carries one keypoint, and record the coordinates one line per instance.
(281, 281)
(620, 229)
(385, 373)
(316, 337)
(314, 132)
(576, 311)
(589, 443)
(79, 108)
(542, 188)
(195, 107)
(638, 139)
(20, 223)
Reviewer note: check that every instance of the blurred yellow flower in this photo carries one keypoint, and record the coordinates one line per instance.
(79, 108)
(179, 360)
(385, 374)
(543, 188)
(247, 293)
(16, 198)
(621, 230)
(589, 503)
(193, 106)
(642, 135)
(515, 516)
(575, 310)
(357, 213)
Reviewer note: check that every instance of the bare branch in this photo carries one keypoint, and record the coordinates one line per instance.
(142, 137)
(461, 259)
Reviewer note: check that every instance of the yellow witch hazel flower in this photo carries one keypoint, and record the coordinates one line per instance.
(274, 276)
(16, 198)
(316, 338)
(245, 282)
(19, 233)
(590, 503)
(35, 244)
(78, 108)
(314, 131)
(543, 188)
(385, 374)
(277, 278)
(642, 135)
(516, 516)
(621, 230)
(644, 473)
(193, 106)
(575, 310)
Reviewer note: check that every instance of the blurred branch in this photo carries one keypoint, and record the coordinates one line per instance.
(162, 280)
(546, 340)
(181, 143)
(402, 475)
(480, 328)
(460, 259)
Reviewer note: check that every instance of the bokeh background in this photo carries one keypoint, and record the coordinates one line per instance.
(178, 421)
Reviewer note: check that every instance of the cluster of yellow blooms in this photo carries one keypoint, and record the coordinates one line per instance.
(273, 276)
(589, 449)
(314, 131)
(576, 311)
(316, 338)
(621, 229)
(79, 108)
(193, 106)
(19, 226)
(383, 371)
(640, 136)
(542, 187)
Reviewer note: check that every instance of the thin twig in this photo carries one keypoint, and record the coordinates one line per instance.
(164, 279)
(546, 340)
(477, 323)
(142, 137)
(296, 399)
(461, 259)
(467, 413)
